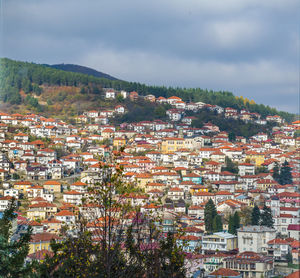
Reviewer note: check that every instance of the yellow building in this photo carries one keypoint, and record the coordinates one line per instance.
(53, 186)
(23, 186)
(257, 158)
(41, 211)
(42, 242)
(53, 225)
(172, 144)
(143, 179)
(264, 184)
(3, 175)
(119, 142)
(198, 188)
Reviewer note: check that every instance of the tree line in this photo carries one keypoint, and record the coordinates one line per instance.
(16, 75)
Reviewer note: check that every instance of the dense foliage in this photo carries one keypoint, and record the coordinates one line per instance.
(283, 175)
(234, 223)
(263, 218)
(28, 76)
(13, 252)
(255, 216)
(266, 217)
(213, 222)
(232, 126)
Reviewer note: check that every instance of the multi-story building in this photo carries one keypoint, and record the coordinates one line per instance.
(255, 238)
(250, 265)
(220, 241)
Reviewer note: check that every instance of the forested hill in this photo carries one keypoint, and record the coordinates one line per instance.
(18, 79)
(82, 69)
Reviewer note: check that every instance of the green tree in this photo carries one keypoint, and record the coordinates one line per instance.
(160, 112)
(217, 224)
(285, 174)
(266, 217)
(255, 216)
(236, 222)
(246, 214)
(230, 166)
(231, 137)
(276, 175)
(210, 213)
(230, 225)
(13, 252)
(120, 98)
(103, 244)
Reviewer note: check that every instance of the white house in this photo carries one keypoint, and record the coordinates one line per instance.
(255, 238)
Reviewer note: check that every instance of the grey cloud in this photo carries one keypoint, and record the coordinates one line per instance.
(250, 47)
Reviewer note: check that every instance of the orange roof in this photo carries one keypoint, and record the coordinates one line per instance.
(64, 213)
(52, 183)
(79, 183)
(224, 272)
(73, 192)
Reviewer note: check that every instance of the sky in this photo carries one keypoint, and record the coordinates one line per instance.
(248, 47)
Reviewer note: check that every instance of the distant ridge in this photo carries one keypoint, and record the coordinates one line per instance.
(82, 69)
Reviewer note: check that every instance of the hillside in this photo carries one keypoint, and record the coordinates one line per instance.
(53, 91)
(82, 69)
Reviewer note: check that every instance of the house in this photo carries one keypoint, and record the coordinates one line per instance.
(4, 202)
(42, 241)
(124, 94)
(41, 210)
(200, 197)
(120, 109)
(11, 192)
(172, 100)
(221, 241)
(246, 169)
(119, 142)
(53, 186)
(192, 177)
(23, 186)
(73, 197)
(150, 98)
(66, 217)
(175, 193)
(224, 273)
(36, 227)
(79, 186)
(294, 231)
(110, 94)
(255, 238)
(174, 114)
(172, 144)
(257, 158)
(278, 249)
(250, 264)
(52, 225)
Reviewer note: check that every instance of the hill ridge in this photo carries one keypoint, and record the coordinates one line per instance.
(82, 69)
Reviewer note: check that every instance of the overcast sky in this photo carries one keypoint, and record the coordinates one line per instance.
(248, 47)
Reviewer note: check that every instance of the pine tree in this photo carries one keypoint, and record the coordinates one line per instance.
(217, 224)
(276, 175)
(236, 222)
(266, 217)
(230, 225)
(210, 213)
(255, 216)
(13, 252)
(285, 174)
